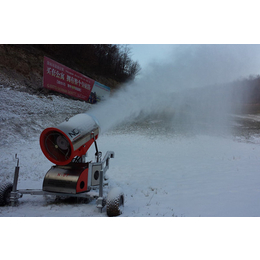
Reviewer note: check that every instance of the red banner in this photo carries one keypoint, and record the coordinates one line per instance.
(65, 80)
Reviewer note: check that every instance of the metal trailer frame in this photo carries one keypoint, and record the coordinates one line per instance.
(103, 165)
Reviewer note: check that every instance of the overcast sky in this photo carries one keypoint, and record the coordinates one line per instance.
(147, 53)
(197, 64)
(247, 55)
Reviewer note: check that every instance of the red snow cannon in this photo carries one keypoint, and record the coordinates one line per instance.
(69, 139)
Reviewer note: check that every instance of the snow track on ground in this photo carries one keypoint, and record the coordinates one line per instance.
(171, 175)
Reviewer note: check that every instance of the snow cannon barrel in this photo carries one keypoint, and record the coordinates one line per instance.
(69, 139)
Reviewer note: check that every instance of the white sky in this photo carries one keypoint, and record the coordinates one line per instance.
(146, 53)
(226, 61)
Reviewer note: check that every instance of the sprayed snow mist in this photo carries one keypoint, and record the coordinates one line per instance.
(192, 92)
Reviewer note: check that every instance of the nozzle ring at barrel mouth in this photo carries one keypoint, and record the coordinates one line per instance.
(56, 146)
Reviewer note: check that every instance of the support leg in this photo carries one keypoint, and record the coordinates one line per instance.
(100, 198)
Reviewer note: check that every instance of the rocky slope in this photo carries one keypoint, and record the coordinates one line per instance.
(21, 67)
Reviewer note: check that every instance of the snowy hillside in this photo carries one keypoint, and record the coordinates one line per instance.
(161, 173)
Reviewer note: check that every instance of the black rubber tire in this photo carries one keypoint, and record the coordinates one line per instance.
(5, 192)
(115, 202)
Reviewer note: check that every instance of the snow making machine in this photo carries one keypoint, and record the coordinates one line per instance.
(71, 176)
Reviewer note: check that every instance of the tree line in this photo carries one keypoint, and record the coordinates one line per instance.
(108, 60)
(251, 89)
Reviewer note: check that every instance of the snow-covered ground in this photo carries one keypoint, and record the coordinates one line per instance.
(162, 174)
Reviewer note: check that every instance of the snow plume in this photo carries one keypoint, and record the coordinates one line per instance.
(190, 91)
